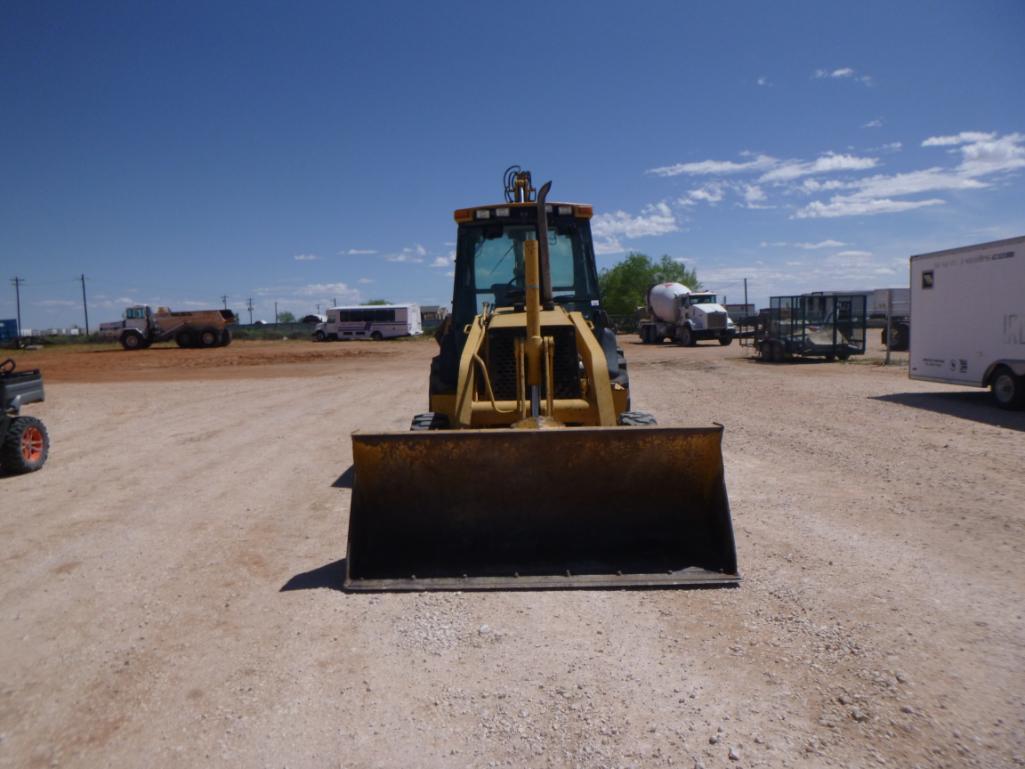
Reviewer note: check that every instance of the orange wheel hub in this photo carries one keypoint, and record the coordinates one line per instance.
(32, 444)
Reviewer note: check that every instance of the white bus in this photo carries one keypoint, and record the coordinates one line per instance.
(382, 321)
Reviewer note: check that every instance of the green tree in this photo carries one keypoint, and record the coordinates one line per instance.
(286, 317)
(376, 302)
(625, 285)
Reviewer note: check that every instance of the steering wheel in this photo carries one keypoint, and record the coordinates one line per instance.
(7, 366)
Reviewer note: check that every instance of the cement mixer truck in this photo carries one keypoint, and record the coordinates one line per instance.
(676, 313)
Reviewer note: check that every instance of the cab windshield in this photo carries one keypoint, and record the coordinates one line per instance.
(490, 265)
(705, 299)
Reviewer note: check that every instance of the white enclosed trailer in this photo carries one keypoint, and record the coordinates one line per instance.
(968, 318)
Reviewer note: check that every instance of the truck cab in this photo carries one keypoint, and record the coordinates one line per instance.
(708, 318)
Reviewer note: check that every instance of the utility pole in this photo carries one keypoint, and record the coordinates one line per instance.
(224, 298)
(275, 313)
(889, 327)
(16, 282)
(249, 305)
(745, 294)
(318, 308)
(85, 306)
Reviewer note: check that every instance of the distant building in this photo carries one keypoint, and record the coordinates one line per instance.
(8, 329)
(431, 313)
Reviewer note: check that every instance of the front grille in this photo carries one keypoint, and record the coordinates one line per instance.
(500, 356)
(717, 320)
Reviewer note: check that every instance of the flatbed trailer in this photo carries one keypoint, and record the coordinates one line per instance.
(825, 325)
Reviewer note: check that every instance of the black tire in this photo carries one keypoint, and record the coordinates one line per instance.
(685, 337)
(726, 340)
(318, 336)
(830, 357)
(25, 446)
(883, 340)
(643, 334)
(1007, 389)
(377, 336)
(184, 339)
(843, 356)
(225, 337)
(779, 354)
(209, 337)
(429, 421)
(133, 340)
(636, 418)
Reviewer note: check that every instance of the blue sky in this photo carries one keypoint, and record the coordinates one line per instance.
(305, 153)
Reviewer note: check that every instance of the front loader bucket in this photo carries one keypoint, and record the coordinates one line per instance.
(527, 509)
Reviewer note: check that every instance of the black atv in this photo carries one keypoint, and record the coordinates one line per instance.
(24, 442)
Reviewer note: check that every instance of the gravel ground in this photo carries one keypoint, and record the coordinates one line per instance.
(170, 581)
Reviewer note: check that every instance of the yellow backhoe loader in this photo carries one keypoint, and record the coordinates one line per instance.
(530, 470)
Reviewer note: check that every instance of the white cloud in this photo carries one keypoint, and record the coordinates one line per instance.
(843, 73)
(964, 137)
(829, 163)
(715, 167)
(763, 81)
(987, 156)
(365, 280)
(982, 154)
(853, 206)
(711, 193)
(56, 303)
(853, 253)
(754, 196)
(876, 123)
(305, 257)
(412, 254)
(806, 246)
(358, 252)
(445, 261)
(333, 290)
(654, 219)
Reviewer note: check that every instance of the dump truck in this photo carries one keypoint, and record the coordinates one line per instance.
(531, 470)
(968, 318)
(24, 442)
(140, 327)
(820, 324)
(677, 314)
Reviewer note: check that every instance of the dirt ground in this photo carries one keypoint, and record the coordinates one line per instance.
(170, 580)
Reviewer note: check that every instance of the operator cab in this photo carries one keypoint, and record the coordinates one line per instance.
(489, 258)
(139, 312)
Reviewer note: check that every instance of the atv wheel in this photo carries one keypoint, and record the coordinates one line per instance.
(25, 446)
(636, 418)
(429, 421)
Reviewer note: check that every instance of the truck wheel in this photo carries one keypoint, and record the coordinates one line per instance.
(184, 339)
(1007, 389)
(429, 421)
(882, 339)
(377, 336)
(636, 418)
(726, 340)
(685, 337)
(642, 332)
(25, 446)
(318, 336)
(225, 337)
(132, 340)
(209, 337)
